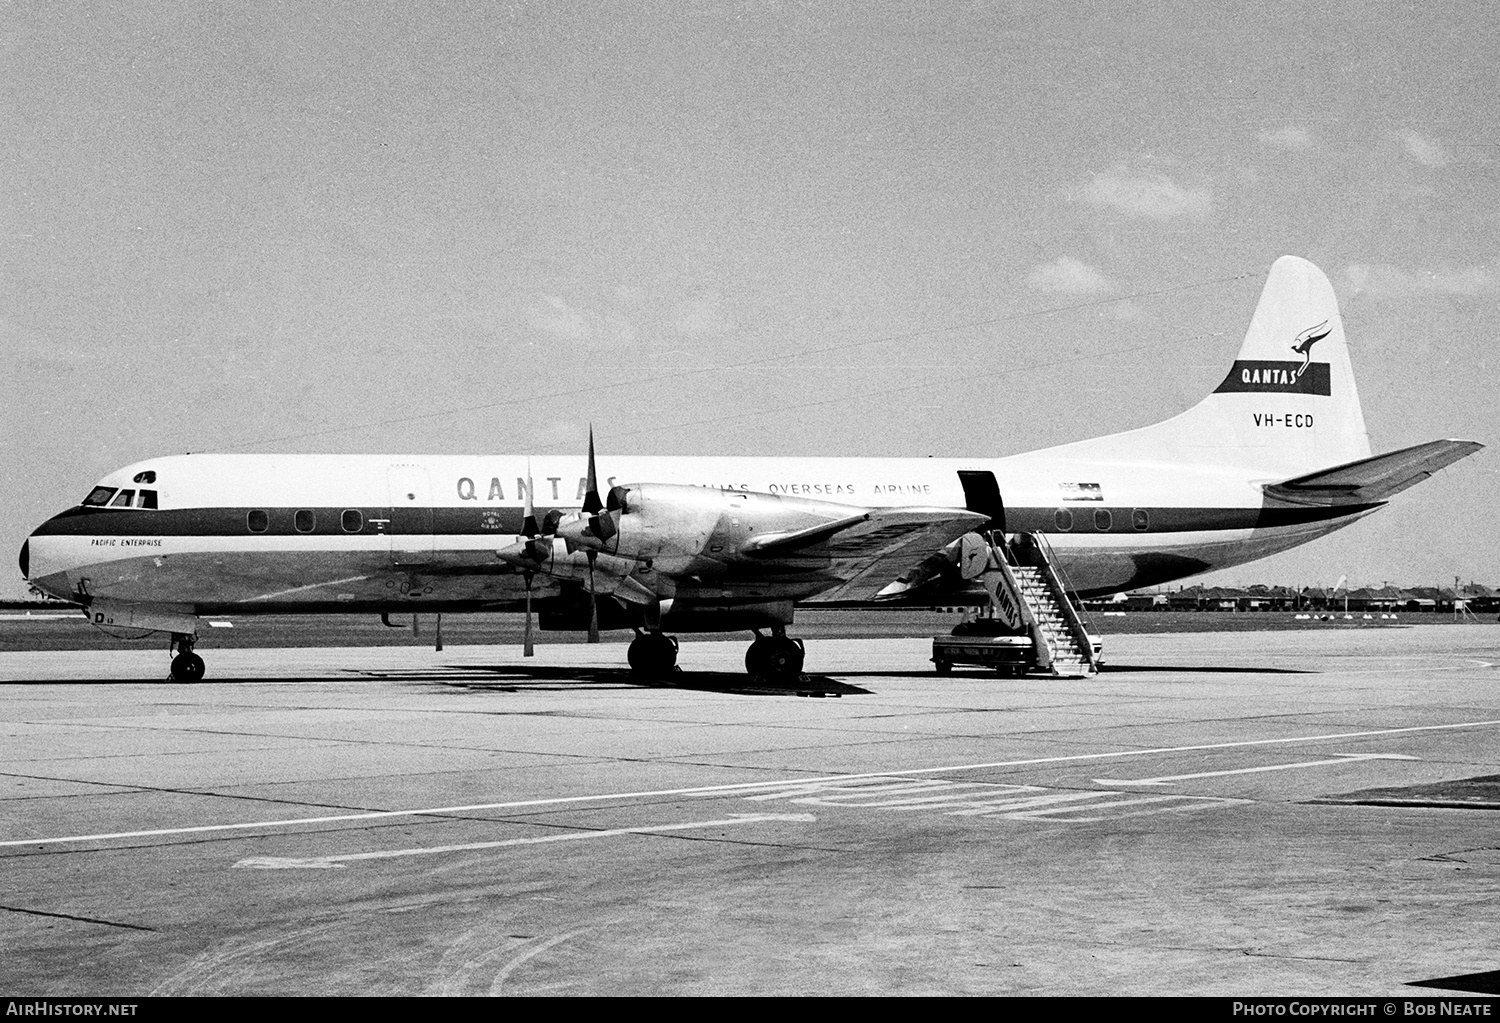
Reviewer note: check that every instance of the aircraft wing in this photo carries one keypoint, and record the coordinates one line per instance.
(871, 553)
(1371, 480)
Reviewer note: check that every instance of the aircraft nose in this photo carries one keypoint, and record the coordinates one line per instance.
(26, 559)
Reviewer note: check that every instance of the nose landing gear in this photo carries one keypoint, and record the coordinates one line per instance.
(186, 666)
(777, 656)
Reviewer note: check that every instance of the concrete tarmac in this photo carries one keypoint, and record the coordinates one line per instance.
(1217, 814)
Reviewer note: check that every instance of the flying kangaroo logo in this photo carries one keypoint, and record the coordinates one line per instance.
(1283, 376)
(1305, 341)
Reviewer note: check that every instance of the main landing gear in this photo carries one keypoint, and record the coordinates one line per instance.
(652, 654)
(186, 666)
(776, 656)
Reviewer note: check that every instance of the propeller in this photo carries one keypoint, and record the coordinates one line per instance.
(529, 530)
(589, 530)
(591, 507)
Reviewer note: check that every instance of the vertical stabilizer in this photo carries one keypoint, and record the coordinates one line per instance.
(1288, 403)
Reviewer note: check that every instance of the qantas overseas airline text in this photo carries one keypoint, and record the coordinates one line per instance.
(550, 488)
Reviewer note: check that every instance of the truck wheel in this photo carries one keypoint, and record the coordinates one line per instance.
(942, 667)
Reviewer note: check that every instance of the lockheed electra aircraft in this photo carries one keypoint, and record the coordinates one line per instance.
(1276, 456)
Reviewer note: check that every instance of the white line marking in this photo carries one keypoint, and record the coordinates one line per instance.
(1342, 758)
(709, 790)
(1073, 814)
(322, 862)
(1007, 805)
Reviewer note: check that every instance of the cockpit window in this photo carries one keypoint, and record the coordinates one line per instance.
(113, 497)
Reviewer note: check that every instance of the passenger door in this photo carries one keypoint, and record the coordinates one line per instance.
(410, 530)
(982, 494)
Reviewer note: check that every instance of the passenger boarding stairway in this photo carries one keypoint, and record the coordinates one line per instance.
(1025, 569)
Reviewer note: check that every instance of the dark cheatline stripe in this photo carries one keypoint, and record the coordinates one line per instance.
(479, 521)
(1274, 376)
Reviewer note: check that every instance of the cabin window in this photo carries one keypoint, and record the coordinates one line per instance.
(99, 497)
(353, 521)
(1140, 520)
(258, 521)
(304, 520)
(146, 499)
(123, 499)
(1102, 520)
(1062, 519)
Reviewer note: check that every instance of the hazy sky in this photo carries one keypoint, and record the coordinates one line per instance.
(748, 228)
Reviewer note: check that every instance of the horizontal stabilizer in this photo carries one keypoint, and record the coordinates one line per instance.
(1370, 480)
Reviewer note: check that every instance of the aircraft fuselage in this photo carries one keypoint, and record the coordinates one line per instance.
(319, 533)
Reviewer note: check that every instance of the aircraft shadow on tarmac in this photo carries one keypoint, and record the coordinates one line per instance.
(539, 678)
(1487, 983)
(522, 678)
(534, 678)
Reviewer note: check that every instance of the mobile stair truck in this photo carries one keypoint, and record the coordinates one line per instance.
(1029, 624)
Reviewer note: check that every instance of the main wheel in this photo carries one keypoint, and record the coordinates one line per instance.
(652, 654)
(755, 657)
(784, 656)
(187, 668)
(942, 667)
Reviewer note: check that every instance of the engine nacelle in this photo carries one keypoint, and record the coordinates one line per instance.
(673, 526)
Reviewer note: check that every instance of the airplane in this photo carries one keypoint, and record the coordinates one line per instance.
(1277, 455)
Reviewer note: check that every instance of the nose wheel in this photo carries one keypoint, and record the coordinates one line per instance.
(652, 654)
(776, 656)
(186, 666)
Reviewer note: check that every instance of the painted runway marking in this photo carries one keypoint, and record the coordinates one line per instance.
(324, 862)
(713, 790)
(986, 799)
(1342, 758)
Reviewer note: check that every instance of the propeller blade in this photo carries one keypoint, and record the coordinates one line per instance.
(438, 629)
(526, 647)
(591, 500)
(593, 602)
(528, 524)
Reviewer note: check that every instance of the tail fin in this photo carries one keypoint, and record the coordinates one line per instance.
(1287, 405)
